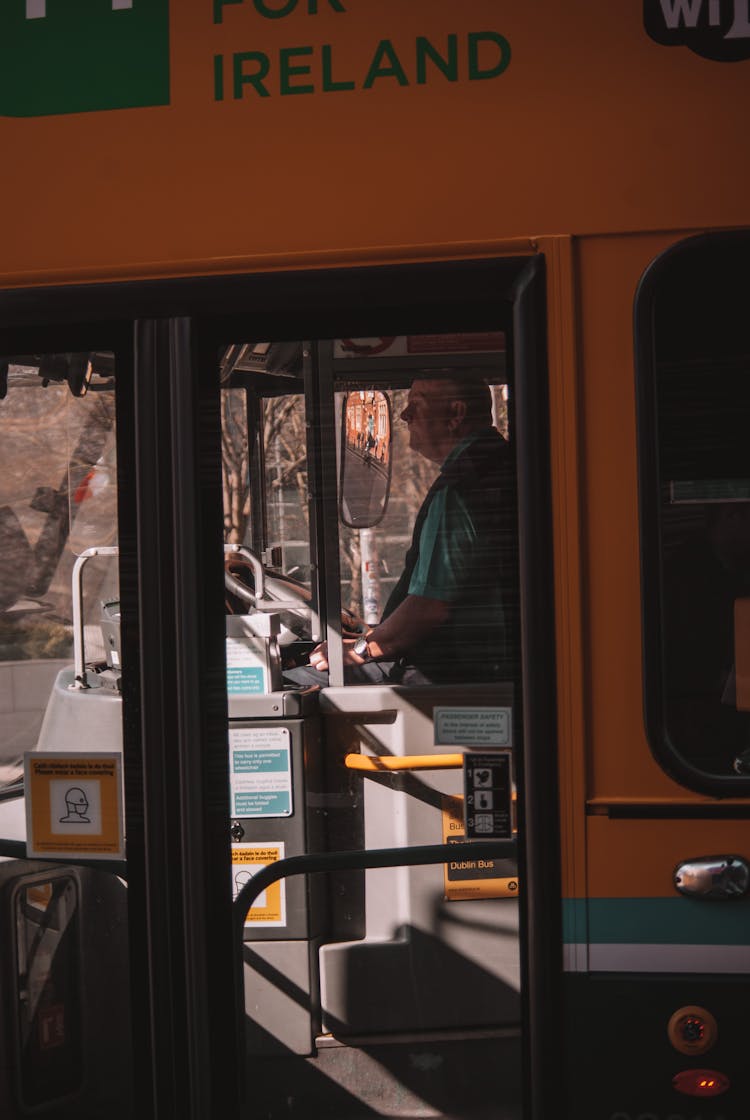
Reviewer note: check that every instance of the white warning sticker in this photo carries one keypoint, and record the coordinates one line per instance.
(473, 727)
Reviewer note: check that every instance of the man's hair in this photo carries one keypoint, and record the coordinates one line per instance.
(472, 389)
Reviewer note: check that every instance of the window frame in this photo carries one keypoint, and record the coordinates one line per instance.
(718, 249)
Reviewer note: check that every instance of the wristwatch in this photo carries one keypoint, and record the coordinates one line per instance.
(362, 649)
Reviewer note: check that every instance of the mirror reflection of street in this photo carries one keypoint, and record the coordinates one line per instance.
(367, 454)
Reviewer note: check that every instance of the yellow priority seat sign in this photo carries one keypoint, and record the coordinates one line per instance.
(74, 806)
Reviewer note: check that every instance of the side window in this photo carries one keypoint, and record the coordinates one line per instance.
(694, 394)
(57, 499)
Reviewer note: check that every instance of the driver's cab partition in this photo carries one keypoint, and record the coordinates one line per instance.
(329, 451)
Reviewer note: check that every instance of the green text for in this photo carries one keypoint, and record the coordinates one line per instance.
(277, 9)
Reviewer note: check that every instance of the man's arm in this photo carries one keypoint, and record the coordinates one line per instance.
(446, 557)
(412, 621)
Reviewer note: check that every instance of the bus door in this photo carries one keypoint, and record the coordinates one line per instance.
(396, 992)
(401, 986)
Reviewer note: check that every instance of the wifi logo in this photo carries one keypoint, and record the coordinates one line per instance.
(80, 56)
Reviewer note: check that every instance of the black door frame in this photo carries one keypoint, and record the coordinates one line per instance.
(187, 1053)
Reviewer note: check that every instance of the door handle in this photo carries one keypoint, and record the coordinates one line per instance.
(713, 877)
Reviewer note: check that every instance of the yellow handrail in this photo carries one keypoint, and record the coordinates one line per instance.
(388, 763)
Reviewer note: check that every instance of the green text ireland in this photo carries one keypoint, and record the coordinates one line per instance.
(476, 56)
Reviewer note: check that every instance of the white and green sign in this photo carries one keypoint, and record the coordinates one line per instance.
(75, 56)
(260, 772)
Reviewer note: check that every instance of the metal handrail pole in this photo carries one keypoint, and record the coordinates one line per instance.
(79, 655)
(364, 860)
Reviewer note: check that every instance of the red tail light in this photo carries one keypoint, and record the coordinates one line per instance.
(701, 1082)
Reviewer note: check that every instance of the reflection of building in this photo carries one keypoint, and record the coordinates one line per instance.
(383, 427)
(368, 424)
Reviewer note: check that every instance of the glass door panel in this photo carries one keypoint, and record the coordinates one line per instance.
(60, 698)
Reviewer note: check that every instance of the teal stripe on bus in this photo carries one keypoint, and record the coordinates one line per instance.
(659, 921)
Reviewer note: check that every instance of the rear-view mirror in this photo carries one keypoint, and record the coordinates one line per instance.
(365, 458)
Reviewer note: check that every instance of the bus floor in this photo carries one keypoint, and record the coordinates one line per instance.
(474, 1076)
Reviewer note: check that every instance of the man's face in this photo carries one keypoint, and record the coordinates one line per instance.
(428, 415)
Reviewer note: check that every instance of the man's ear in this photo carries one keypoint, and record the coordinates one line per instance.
(457, 414)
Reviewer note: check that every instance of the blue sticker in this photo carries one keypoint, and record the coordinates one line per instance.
(244, 679)
(261, 762)
(260, 772)
(262, 803)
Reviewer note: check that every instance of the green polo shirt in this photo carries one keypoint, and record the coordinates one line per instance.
(447, 543)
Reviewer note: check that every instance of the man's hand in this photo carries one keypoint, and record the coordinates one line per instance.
(411, 622)
(319, 656)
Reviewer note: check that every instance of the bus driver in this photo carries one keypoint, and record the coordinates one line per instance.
(452, 615)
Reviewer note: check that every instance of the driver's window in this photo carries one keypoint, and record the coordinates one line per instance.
(264, 456)
(287, 519)
(235, 473)
(267, 558)
(273, 520)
